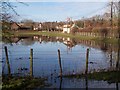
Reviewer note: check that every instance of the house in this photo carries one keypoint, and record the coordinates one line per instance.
(37, 26)
(14, 26)
(69, 28)
(20, 26)
(59, 27)
(66, 28)
(24, 27)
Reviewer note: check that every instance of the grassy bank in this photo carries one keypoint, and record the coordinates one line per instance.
(59, 34)
(110, 76)
(14, 83)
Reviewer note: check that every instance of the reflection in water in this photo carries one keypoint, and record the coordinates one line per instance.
(60, 87)
(117, 87)
(27, 41)
(111, 59)
(86, 82)
(118, 56)
(104, 46)
(70, 43)
(118, 53)
(45, 57)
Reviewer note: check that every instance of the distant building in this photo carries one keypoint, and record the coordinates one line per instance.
(14, 26)
(24, 27)
(66, 28)
(20, 26)
(59, 27)
(69, 28)
(37, 26)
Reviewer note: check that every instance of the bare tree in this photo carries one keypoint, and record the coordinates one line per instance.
(7, 13)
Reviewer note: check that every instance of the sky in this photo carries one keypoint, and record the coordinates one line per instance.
(58, 11)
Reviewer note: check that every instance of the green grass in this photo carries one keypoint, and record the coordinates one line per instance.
(60, 34)
(110, 76)
(23, 83)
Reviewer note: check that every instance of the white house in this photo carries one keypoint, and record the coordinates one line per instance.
(37, 26)
(66, 28)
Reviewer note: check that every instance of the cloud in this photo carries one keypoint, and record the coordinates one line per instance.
(54, 11)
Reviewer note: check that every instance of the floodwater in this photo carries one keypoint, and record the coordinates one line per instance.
(102, 56)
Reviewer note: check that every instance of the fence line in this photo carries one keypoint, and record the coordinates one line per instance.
(31, 62)
(59, 57)
(7, 61)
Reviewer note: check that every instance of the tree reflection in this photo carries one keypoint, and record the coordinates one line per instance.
(69, 42)
(104, 46)
(27, 41)
(118, 55)
(60, 87)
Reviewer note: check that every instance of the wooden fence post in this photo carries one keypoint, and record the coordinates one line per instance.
(59, 57)
(31, 62)
(111, 58)
(87, 57)
(7, 61)
(60, 87)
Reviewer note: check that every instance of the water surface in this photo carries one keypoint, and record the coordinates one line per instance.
(73, 56)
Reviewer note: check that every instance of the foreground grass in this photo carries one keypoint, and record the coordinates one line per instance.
(23, 83)
(110, 76)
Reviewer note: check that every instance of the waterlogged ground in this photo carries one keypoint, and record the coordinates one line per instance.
(45, 60)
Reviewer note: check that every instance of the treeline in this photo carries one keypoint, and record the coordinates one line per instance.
(98, 26)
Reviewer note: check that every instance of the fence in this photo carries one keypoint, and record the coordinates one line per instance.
(56, 63)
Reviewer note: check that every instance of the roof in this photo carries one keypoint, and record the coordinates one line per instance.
(66, 26)
(15, 23)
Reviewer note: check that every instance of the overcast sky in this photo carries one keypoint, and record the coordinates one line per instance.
(58, 11)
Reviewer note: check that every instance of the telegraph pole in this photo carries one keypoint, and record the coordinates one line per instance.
(111, 25)
(111, 13)
(119, 19)
(118, 55)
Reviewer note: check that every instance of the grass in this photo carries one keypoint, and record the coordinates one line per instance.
(110, 76)
(14, 83)
(59, 34)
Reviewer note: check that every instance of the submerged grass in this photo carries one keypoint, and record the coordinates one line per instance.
(23, 83)
(110, 76)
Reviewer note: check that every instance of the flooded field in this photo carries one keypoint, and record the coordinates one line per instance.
(102, 57)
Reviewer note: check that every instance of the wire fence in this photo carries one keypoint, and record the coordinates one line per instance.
(46, 62)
